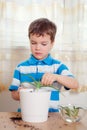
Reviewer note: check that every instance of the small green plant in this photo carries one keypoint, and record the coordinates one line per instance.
(37, 84)
(71, 112)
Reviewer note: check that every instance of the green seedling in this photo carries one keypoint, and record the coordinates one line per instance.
(71, 112)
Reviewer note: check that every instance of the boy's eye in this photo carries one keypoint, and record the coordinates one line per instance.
(44, 44)
(33, 43)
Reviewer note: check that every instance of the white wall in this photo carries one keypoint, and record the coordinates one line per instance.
(7, 104)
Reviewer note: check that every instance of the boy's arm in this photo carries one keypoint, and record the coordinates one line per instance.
(69, 82)
(63, 76)
(14, 87)
(15, 95)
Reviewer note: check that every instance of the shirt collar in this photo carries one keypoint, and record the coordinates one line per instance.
(47, 60)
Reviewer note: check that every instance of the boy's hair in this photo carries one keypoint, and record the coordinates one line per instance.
(42, 26)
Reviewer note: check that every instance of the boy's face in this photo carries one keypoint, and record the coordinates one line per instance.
(40, 46)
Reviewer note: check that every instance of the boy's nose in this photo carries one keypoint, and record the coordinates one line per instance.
(38, 46)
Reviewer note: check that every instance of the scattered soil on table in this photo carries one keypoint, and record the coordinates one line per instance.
(18, 121)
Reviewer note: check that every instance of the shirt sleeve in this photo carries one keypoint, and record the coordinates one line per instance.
(15, 81)
(64, 70)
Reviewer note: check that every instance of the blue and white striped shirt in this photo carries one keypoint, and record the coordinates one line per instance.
(36, 68)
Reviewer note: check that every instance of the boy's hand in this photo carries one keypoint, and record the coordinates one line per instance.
(48, 79)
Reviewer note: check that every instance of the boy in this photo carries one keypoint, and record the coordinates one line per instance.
(41, 65)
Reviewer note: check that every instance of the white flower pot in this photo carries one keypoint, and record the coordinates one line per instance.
(34, 105)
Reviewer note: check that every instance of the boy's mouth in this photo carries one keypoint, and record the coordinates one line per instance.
(38, 53)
